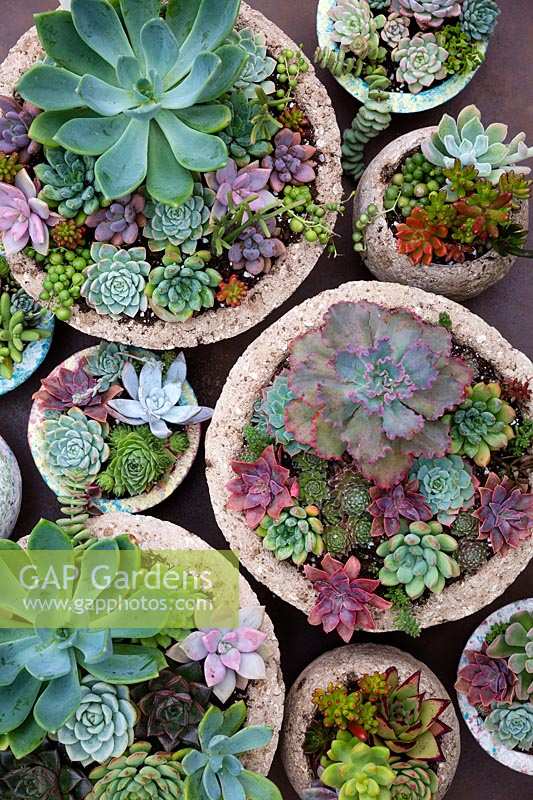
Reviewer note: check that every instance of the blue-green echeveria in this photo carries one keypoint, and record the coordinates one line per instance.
(271, 415)
(421, 61)
(107, 363)
(479, 17)
(447, 484)
(259, 66)
(178, 290)
(68, 182)
(183, 226)
(115, 283)
(75, 444)
(511, 724)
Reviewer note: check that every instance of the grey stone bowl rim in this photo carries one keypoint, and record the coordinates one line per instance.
(254, 370)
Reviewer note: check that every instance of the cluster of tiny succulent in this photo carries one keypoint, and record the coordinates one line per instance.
(18, 320)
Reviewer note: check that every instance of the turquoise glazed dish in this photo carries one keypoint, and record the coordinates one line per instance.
(34, 355)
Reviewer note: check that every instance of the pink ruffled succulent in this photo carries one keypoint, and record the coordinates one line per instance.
(389, 506)
(486, 680)
(505, 514)
(231, 656)
(291, 162)
(119, 223)
(66, 388)
(344, 600)
(262, 487)
(23, 217)
(238, 185)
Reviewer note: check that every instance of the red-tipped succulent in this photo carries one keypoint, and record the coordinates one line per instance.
(505, 513)
(420, 239)
(344, 600)
(389, 506)
(262, 487)
(486, 680)
(74, 388)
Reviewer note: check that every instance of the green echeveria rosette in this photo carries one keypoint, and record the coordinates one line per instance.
(177, 291)
(355, 28)
(270, 414)
(482, 423)
(421, 62)
(414, 780)
(181, 226)
(139, 774)
(68, 182)
(357, 770)
(295, 535)
(447, 484)
(107, 364)
(74, 443)
(259, 65)
(479, 18)
(512, 725)
(115, 283)
(138, 460)
(243, 145)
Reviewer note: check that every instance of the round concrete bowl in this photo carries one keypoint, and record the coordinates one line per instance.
(344, 665)
(271, 290)
(255, 370)
(458, 282)
(401, 102)
(10, 489)
(163, 489)
(514, 759)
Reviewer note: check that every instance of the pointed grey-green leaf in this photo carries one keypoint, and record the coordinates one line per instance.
(167, 181)
(199, 152)
(91, 137)
(50, 88)
(100, 27)
(123, 167)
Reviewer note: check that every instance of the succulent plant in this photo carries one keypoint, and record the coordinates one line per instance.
(156, 400)
(119, 223)
(516, 645)
(355, 28)
(235, 186)
(413, 780)
(215, 769)
(256, 247)
(24, 218)
(271, 410)
(107, 364)
(471, 555)
(15, 335)
(261, 487)
(389, 506)
(9, 168)
(419, 559)
(361, 387)
(421, 61)
(177, 291)
(259, 65)
(232, 656)
(395, 29)
(430, 13)
(481, 424)
(33, 311)
(41, 776)
(464, 53)
(344, 600)
(360, 772)
(505, 514)
(68, 234)
(469, 142)
(115, 282)
(485, 680)
(232, 292)
(172, 706)
(512, 725)
(465, 526)
(139, 774)
(291, 163)
(295, 535)
(352, 493)
(479, 18)
(153, 82)
(68, 182)
(447, 484)
(338, 707)
(15, 122)
(409, 722)
(137, 461)
(74, 443)
(240, 137)
(182, 226)
(421, 239)
(75, 388)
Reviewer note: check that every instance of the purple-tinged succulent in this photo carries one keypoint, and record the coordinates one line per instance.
(119, 223)
(23, 217)
(375, 383)
(344, 600)
(15, 123)
(291, 162)
(262, 487)
(254, 250)
(67, 388)
(233, 185)
(486, 680)
(231, 656)
(505, 514)
(389, 506)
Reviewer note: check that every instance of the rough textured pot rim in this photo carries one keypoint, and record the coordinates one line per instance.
(162, 489)
(32, 358)
(460, 281)
(401, 102)
(514, 759)
(265, 699)
(11, 511)
(255, 369)
(340, 666)
(273, 289)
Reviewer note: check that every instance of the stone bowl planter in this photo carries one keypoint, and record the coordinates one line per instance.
(401, 102)
(458, 282)
(10, 490)
(255, 369)
(271, 290)
(156, 495)
(341, 666)
(514, 759)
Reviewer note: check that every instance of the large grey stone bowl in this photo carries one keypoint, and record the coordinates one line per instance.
(10, 490)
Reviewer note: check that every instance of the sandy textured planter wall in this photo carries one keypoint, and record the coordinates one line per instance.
(342, 666)
(273, 289)
(255, 369)
(460, 282)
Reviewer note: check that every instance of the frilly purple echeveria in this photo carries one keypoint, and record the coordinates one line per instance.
(291, 162)
(75, 388)
(119, 223)
(505, 513)
(374, 383)
(254, 250)
(15, 123)
(237, 185)
(389, 506)
(231, 656)
(23, 217)
(156, 401)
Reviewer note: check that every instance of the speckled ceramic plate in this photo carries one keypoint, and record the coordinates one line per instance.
(514, 759)
(10, 489)
(402, 102)
(131, 505)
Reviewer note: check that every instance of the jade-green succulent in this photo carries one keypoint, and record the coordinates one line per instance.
(516, 644)
(419, 559)
(240, 136)
(137, 461)
(15, 335)
(413, 780)
(177, 291)
(446, 484)
(482, 423)
(68, 182)
(75, 443)
(356, 29)
(358, 771)
(115, 282)
(295, 535)
(139, 774)
(33, 311)
(421, 61)
(511, 724)
(182, 226)
(137, 88)
(271, 414)
(351, 492)
(479, 17)
(107, 364)
(259, 66)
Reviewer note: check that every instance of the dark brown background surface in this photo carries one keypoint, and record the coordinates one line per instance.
(503, 91)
